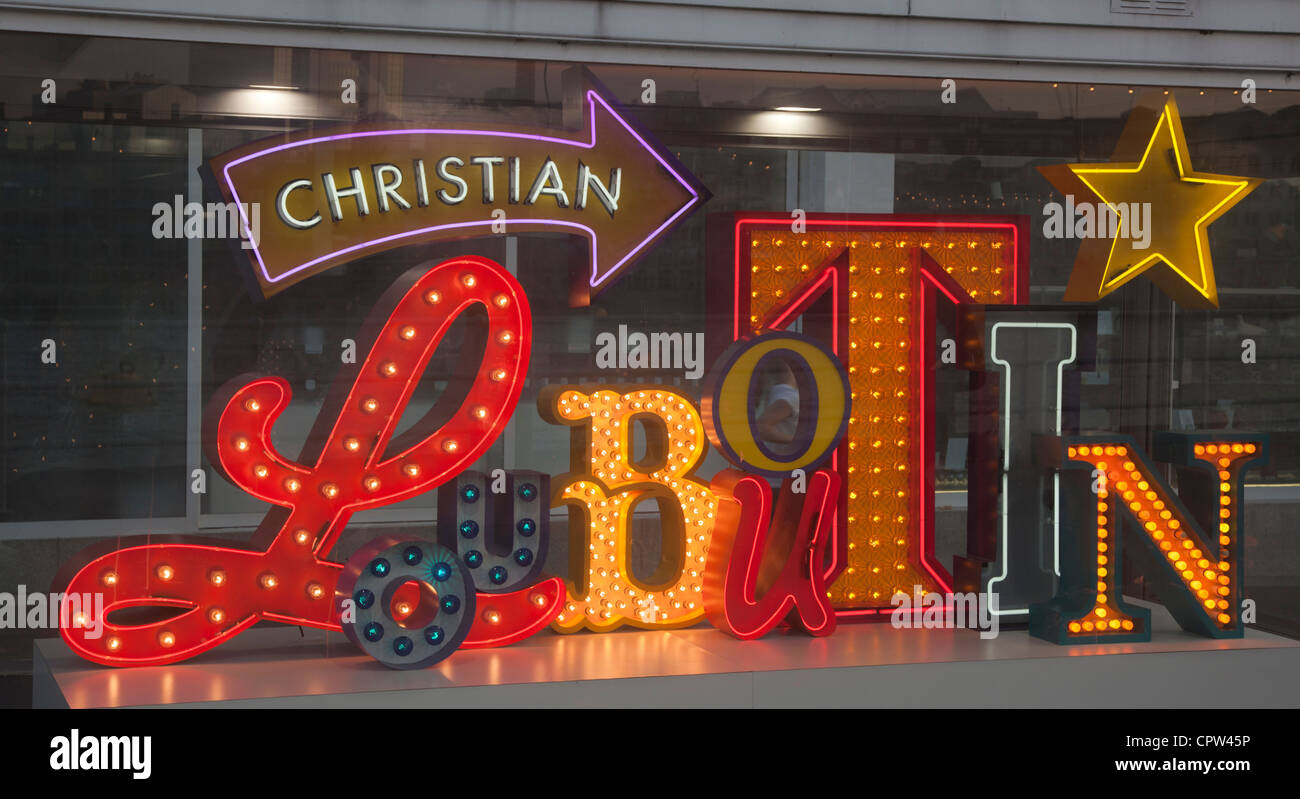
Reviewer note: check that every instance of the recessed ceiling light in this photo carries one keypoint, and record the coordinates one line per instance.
(802, 108)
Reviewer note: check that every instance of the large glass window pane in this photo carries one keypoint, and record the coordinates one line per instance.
(92, 404)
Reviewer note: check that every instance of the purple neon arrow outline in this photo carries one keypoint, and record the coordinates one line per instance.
(592, 99)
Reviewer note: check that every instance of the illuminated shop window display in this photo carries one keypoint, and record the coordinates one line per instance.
(495, 353)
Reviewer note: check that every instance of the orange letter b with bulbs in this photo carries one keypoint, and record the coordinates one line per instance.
(606, 486)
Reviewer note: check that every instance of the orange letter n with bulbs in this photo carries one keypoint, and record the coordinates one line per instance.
(1188, 544)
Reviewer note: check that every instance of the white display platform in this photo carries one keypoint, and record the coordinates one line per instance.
(861, 665)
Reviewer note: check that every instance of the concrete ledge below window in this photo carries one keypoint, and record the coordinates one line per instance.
(870, 665)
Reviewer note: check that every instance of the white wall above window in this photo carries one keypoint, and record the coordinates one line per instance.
(1068, 40)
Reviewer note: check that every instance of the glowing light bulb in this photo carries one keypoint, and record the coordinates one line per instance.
(498, 375)
(329, 490)
(241, 444)
(292, 485)
(371, 483)
(217, 577)
(165, 572)
(216, 615)
(110, 578)
(505, 337)
(114, 644)
(302, 536)
(268, 581)
(260, 470)
(433, 297)
(315, 590)
(539, 600)
(412, 470)
(480, 412)
(389, 368)
(450, 445)
(351, 444)
(252, 405)
(491, 616)
(166, 639)
(370, 405)
(501, 300)
(408, 332)
(468, 280)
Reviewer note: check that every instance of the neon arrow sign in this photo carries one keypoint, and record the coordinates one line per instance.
(342, 196)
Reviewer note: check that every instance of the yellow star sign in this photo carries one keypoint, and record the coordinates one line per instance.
(1159, 209)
